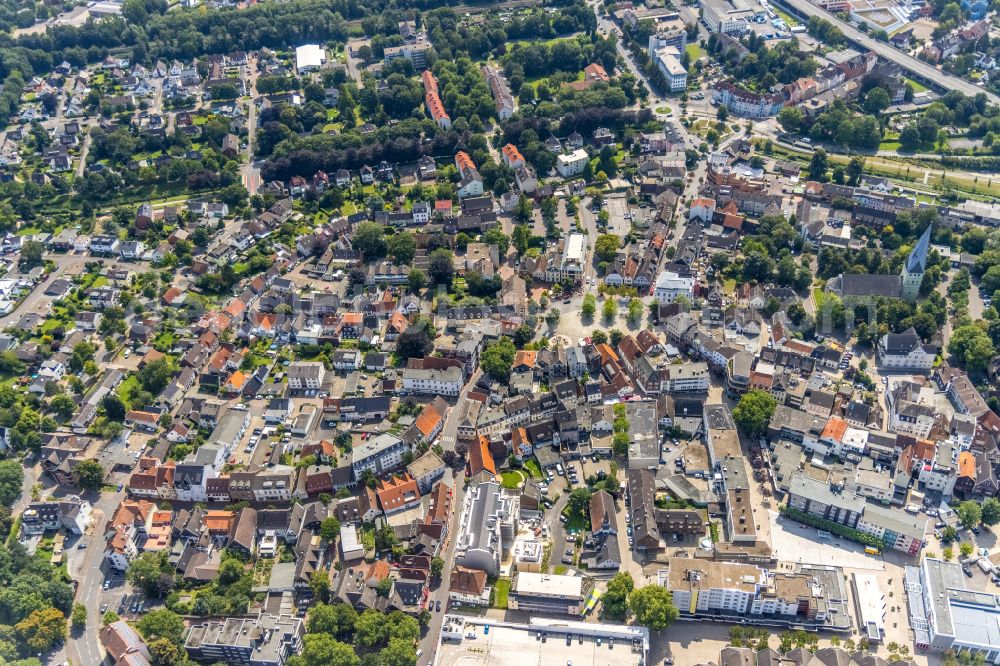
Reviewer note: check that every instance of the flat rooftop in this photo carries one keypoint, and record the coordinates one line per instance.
(509, 644)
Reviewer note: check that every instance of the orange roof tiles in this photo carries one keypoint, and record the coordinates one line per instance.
(524, 357)
(237, 379)
(967, 464)
(464, 162)
(480, 458)
(607, 353)
(397, 492)
(595, 72)
(835, 429)
(511, 154)
(218, 521)
(428, 420)
(430, 81)
(435, 106)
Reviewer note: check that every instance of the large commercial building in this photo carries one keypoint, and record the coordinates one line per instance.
(730, 17)
(709, 589)
(668, 61)
(309, 58)
(473, 640)
(945, 615)
(897, 530)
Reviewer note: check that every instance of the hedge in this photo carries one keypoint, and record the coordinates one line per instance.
(832, 527)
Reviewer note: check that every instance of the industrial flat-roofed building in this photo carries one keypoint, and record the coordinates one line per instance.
(309, 58)
(548, 593)
(468, 640)
(950, 616)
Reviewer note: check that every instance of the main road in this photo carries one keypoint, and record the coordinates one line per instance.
(920, 68)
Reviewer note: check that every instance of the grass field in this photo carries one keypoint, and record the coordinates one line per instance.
(500, 593)
(534, 469)
(512, 480)
(917, 86)
(694, 51)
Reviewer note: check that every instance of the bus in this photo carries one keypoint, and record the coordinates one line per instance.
(873, 551)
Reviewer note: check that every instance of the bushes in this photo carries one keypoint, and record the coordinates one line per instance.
(833, 528)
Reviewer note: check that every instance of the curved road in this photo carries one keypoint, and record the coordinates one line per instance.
(942, 80)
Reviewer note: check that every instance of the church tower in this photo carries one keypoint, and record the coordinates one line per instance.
(915, 267)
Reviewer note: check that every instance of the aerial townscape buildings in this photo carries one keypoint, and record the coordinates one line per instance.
(601, 333)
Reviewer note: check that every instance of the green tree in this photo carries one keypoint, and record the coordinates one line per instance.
(437, 567)
(606, 247)
(230, 571)
(441, 266)
(498, 358)
(634, 310)
(155, 376)
(971, 346)
(325, 650)
(337, 620)
(63, 405)
(371, 628)
(416, 280)
(578, 503)
(614, 603)
(369, 237)
(329, 529)
(754, 411)
(970, 514)
(653, 607)
(11, 480)
(966, 548)
(79, 616)
(32, 255)
(162, 623)
(818, 165)
(42, 630)
(991, 511)
(398, 652)
(609, 309)
(855, 169)
(144, 571)
(166, 653)
(113, 406)
(402, 247)
(89, 474)
(791, 119)
(520, 237)
(876, 101)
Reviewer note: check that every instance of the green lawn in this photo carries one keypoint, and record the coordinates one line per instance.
(917, 87)
(694, 51)
(512, 480)
(534, 469)
(500, 593)
(126, 388)
(577, 523)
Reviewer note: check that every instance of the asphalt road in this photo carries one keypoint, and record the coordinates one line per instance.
(84, 647)
(428, 643)
(62, 261)
(942, 80)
